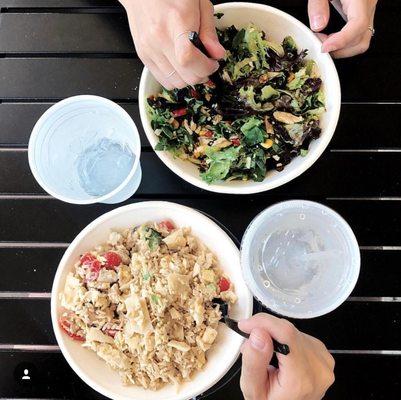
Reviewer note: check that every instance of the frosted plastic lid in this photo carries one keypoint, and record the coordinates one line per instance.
(300, 259)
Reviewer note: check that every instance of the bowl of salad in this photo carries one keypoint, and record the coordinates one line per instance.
(133, 302)
(261, 120)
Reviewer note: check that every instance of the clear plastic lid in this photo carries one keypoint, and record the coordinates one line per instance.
(300, 259)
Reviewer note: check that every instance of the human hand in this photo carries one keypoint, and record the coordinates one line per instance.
(304, 374)
(355, 37)
(160, 31)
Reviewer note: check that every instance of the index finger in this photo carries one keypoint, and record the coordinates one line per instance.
(278, 328)
(191, 59)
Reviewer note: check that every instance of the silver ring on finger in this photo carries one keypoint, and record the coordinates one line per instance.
(171, 74)
(372, 30)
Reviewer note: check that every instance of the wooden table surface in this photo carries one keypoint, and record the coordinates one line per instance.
(52, 49)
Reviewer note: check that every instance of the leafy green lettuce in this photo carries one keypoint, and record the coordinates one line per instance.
(219, 163)
(253, 131)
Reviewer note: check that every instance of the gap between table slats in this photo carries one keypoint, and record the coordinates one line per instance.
(56, 349)
(47, 296)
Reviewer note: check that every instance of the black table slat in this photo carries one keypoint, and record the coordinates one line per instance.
(57, 3)
(54, 377)
(380, 274)
(38, 79)
(333, 175)
(46, 78)
(33, 269)
(361, 126)
(28, 269)
(362, 377)
(24, 33)
(109, 3)
(354, 325)
(26, 322)
(358, 377)
(367, 126)
(375, 223)
(378, 379)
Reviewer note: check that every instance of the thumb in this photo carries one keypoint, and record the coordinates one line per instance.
(207, 31)
(319, 14)
(256, 355)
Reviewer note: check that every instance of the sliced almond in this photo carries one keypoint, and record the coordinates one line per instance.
(263, 78)
(217, 118)
(268, 126)
(226, 77)
(175, 124)
(200, 151)
(204, 111)
(221, 143)
(267, 144)
(287, 118)
(291, 77)
(204, 140)
(193, 126)
(272, 74)
(187, 127)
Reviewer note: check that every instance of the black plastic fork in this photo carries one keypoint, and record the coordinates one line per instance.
(232, 324)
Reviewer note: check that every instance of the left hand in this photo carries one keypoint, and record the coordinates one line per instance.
(355, 37)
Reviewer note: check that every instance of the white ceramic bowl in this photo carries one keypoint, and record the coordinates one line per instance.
(277, 24)
(223, 354)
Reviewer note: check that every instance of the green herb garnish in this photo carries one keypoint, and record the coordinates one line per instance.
(153, 238)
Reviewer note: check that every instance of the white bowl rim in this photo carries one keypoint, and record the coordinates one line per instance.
(62, 265)
(266, 185)
(255, 223)
(54, 108)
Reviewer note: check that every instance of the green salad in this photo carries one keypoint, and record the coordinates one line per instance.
(256, 113)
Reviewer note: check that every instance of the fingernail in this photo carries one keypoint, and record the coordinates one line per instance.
(256, 342)
(317, 22)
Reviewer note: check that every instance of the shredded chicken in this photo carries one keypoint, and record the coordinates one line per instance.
(143, 303)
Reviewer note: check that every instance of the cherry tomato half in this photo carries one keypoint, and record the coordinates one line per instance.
(65, 325)
(224, 284)
(167, 225)
(113, 260)
(179, 113)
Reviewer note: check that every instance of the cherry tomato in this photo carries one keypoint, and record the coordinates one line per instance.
(224, 284)
(194, 93)
(93, 272)
(65, 325)
(179, 113)
(235, 141)
(87, 258)
(167, 225)
(113, 260)
(208, 134)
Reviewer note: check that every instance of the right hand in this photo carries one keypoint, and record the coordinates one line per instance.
(304, 374)
(160, 31)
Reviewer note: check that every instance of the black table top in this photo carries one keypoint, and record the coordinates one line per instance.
(51, 49)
